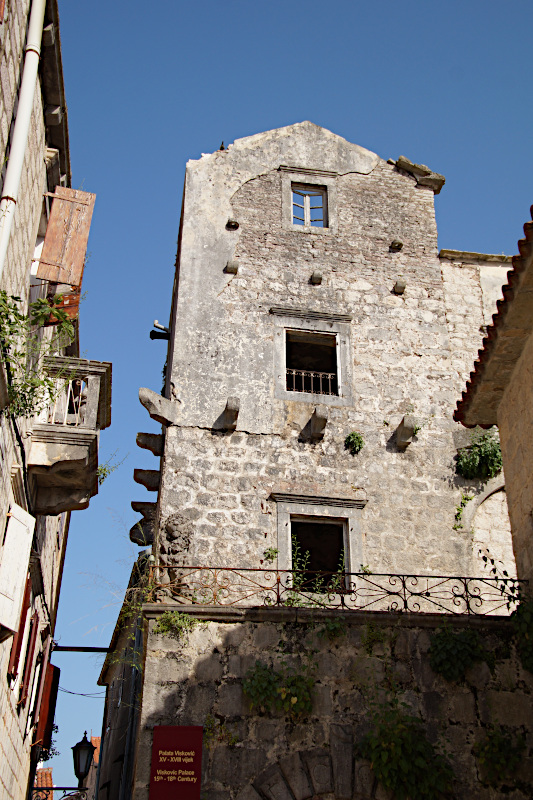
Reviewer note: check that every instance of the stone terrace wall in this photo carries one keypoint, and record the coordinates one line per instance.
(275, 758)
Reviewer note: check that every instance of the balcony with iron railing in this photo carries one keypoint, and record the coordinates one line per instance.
(362, 591)
(63, 459)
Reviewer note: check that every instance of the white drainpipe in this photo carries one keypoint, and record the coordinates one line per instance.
(19, 141)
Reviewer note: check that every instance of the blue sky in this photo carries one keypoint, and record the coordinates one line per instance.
(150, 86)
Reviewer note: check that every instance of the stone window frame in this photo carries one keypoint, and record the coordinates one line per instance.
(338, 509)
(300, 319)
(303, 176)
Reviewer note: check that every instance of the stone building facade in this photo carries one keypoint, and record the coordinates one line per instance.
(311, 311)
(47, 463)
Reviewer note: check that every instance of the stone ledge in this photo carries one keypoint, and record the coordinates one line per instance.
(465, 255)
(313, 615)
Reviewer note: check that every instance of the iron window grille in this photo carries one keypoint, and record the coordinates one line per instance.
(309, 206)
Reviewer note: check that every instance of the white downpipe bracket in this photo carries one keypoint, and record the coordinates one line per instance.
(19, 141)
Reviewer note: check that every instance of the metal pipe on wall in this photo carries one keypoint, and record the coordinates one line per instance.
(19, 141)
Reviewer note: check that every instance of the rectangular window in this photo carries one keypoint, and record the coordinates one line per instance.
(317, 546)
(309, 205)
(311, 362)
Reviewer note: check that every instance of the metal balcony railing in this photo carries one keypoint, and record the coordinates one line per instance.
(83, 396)
(225, 586)
(300, 380)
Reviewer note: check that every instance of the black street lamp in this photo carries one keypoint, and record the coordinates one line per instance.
(82, 754)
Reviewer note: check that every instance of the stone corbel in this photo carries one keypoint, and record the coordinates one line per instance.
(319, 421)
(151, 441)
(149, 478)
(160, 408)
(227, 421)
(405, 432)
(142, 533)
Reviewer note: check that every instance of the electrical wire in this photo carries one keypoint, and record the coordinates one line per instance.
(83, 694)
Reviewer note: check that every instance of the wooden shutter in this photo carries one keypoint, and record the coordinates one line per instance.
(28, 662)
(14, 559)
(16, 647)
(65, 243)
(47, 709)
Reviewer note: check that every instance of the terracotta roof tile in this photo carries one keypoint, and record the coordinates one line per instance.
(43, 778)
(500, 353)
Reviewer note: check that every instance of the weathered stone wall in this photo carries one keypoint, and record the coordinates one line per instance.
(403, 354)
(515, 420)
(315, 755)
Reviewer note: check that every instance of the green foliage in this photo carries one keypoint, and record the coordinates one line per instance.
(522, 619)
(354, 442)
(402, 758)
(451, 653)
(270, 554)
(364, 569)
(499, 755)
(372, 635)
(482, 458)
(334, 628)
(465, 498)
(284, 689)
(52, 752)
(176, 625)
(23, 350)
(104, 470)
(216, 732)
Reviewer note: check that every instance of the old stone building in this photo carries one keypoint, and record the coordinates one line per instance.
(318, 341)
(48, 438)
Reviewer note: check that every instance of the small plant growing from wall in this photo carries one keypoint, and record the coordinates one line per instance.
(451, 653)
(270, 554)
(354, 442)
(482, 458)
(176, 625)
(217, 732)
(403, 760)
(499, 754)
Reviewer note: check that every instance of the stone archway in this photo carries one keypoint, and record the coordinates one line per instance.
(487, 518)
(330, 773)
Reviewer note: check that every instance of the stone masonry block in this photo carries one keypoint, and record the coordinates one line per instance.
(318, 764)
(341, 742)
(296, 776)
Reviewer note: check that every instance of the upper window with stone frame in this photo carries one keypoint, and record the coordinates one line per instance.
(311, 362)
(309, 205)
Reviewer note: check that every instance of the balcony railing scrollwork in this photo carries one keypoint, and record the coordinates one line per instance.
(273, 588)
(302, 380)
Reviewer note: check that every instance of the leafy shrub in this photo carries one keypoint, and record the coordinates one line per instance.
(284, 689)
(402, 758)
(482, 458)
(354, 442)
(499, 755)
(452, 652)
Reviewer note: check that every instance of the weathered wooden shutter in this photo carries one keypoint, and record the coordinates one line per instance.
(16, 647)
(28, 662)
(47, 708)
(14, 559)
(65, 243)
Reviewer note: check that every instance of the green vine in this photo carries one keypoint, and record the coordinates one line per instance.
(354, 442)
(402, 758)
(499, 755)
(451, 653)
(176, 625)
(284, 689)
(24, 349)
(482, 458)
(333, 628)
(104, 470)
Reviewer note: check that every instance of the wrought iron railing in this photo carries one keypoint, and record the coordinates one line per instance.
(59, 793)
(301, 380)
(361, 591)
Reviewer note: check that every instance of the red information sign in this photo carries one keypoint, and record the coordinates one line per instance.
(176, 762)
